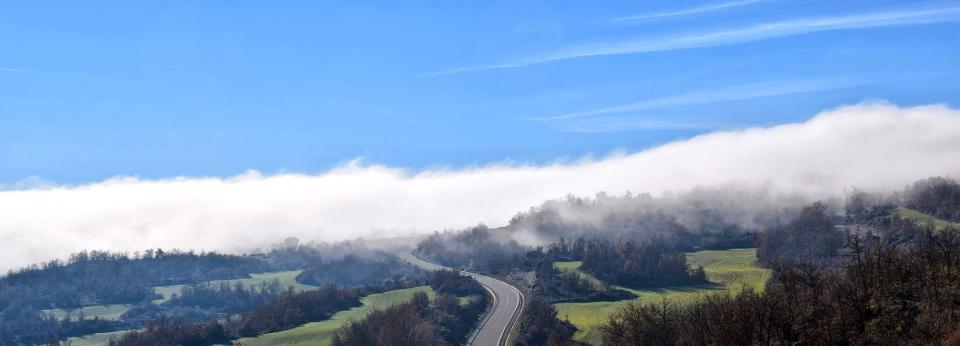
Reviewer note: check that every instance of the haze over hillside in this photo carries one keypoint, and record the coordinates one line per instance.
(872, 145)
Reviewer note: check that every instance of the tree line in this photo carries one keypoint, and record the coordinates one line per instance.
(353, 270)
(443, 321)
(101, 277)
(647, 264)
(936, 196)
(204, 301)
(288, 310)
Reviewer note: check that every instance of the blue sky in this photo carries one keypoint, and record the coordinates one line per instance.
(92, 90)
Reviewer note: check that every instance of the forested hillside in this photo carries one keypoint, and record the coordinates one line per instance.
(91, 277)
(135, 281)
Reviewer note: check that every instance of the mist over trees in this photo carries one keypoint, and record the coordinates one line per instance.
(811, 237)
(699, 219)
(936, 196)
(636, 241)
(477, 249)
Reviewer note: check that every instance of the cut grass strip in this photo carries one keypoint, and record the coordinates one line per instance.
(924, 219)
(110, 312)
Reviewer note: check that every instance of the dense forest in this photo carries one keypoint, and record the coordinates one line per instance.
(91, 277)
(353, 270)
(648, 264)
(811, 237)
(99, 277)
(477, 249)
(539, 325)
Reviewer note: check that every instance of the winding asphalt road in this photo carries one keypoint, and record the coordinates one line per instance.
(503, 314)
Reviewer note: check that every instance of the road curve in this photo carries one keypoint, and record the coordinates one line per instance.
(500, 318)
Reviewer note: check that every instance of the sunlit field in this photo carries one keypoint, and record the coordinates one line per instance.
(729, 271)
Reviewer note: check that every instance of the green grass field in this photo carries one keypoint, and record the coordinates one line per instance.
(166, 292)
(567, 266)
(320, 333)
(924, 219)
(98, 339)
(286, 278)
(104, 312)
(574, 266)
(728, 270)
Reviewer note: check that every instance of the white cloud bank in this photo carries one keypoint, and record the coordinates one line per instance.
(873, 146)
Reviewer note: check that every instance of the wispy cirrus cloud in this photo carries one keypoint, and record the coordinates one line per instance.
(15, 70)
(684, 12)
(899, 17)
(636, 123)
(720, 94)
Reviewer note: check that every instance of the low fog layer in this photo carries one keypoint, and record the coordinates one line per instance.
(872, 146)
